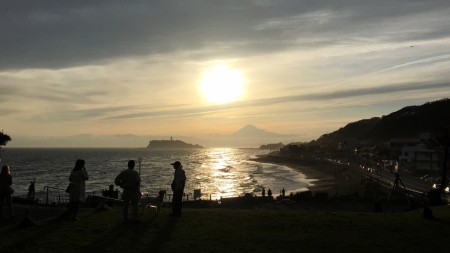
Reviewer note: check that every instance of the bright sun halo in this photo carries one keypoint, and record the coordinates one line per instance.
(222, 85)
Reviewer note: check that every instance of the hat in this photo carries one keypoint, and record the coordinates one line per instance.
(177, 163)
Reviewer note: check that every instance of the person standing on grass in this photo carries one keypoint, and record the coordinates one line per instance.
(5, 192)
(178, 183)
(129, 181)
(77, 189)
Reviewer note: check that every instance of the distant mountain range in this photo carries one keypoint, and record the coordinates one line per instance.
(248, 136)
(408, 122)
(250, 131)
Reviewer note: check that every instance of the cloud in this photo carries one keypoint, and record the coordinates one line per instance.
(5, 112)
(119, 65)
(385, 90)
(6, 90)
(438, 58)
(49, 34)
(57, 93)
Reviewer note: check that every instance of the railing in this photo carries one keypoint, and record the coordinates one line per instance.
(388, 183)
(59, 199)
(58, 196)
(95, 197)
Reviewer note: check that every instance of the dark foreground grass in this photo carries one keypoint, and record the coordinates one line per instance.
(226, 230)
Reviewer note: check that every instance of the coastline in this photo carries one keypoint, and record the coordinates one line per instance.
(328, 178)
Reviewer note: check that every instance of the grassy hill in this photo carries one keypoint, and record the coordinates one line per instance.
(234, 230)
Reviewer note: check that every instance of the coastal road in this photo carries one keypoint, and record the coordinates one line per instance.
(412, 183)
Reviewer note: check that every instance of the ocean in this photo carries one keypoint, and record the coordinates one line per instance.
(219, 172)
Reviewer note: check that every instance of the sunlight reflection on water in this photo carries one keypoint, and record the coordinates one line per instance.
(220, 172)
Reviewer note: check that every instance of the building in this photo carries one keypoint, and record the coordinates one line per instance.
(413, 153)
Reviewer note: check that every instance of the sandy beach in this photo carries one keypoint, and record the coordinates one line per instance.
(328, 178)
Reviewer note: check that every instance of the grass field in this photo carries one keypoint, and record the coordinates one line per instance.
(234, 230)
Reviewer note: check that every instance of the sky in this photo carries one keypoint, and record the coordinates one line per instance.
(134, 69)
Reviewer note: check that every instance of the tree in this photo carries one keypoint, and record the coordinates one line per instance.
(4, 138)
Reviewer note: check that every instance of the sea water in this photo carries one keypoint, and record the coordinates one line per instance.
(220, 172)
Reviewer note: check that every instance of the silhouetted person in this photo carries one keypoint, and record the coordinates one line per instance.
(5, 192)
(263, 193)
(269, 193)
(178, 183)
(111, 193)
(31, 189)
(129, 181)
(397, 180)
(283, 193)
(77, 189)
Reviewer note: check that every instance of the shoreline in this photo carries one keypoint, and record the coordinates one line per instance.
(328, 177)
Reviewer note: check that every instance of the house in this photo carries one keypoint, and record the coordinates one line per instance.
(413, 153)
(427, 159)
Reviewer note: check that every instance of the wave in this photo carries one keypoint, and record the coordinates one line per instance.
(219, 172)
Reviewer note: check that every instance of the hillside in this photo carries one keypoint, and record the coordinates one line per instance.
(408, 122)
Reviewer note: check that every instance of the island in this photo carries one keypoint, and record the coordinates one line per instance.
(171, 144)
(273, 146)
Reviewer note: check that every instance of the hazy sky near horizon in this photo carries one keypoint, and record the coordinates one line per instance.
(136, 67)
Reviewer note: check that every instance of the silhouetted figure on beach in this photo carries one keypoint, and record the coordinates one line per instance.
(263, 193)
(178, 183)
(77, 189)
(31, 189)
(5, 193)
(269, 193)
(111, 193)
(129, 181)
(283, 193)
(397, 180)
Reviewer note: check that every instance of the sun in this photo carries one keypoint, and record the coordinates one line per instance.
(222, 85)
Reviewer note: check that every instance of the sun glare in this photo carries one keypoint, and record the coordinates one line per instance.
(222, 85)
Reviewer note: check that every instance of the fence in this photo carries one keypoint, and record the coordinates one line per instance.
(55, 196)
(58, 196)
